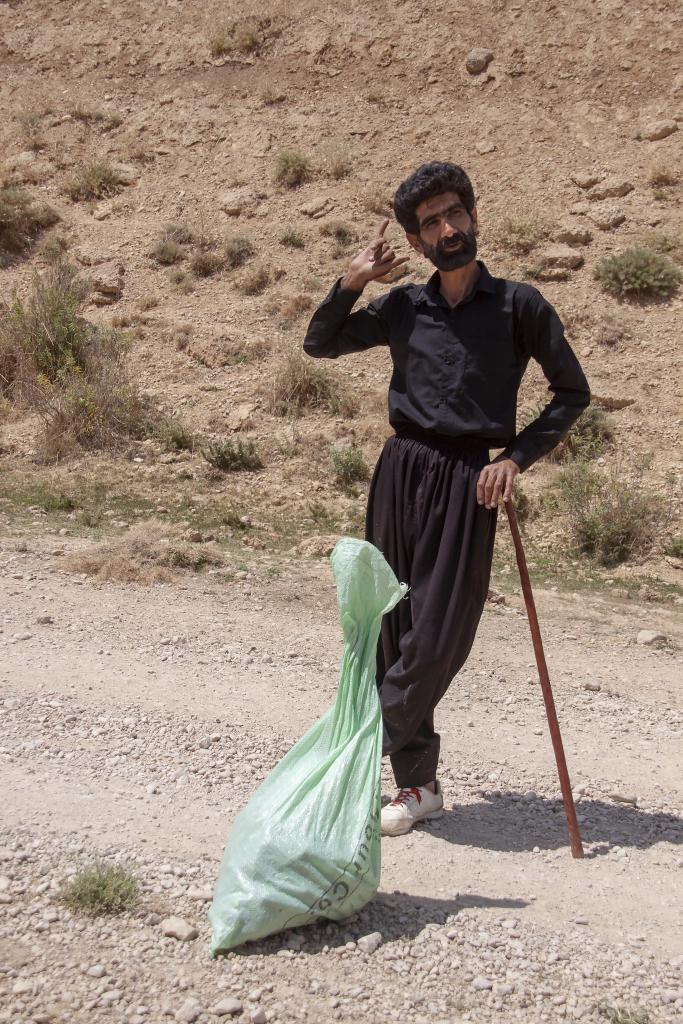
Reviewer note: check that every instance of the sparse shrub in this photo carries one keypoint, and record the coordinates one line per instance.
(207, 262)
(338, 163)
(296, 305)
(379, 202)
(610, 520)
(31, 123)
(375, 96)
(230, 455)
(523, 506)
(182, 280)
(666, 245)
(611, 332)
(238, 249)
(180, 233)
(167, 252)
(586, 439)
(53, 247)
(173, 434)
(95, 181)
(146, 554)
(292, 239)
(239, 351)
(321, 516)
(618, 1015)
(72, 372)
(674, 547)
(519, 235)
(21, 219)
(255, 281)
(638, 273)
(292, 168)
(271, 95)
(100, 888)
(300, 383)
(147, 302)
(106, 119)
(348, 465)
(244, 35)
(342, 233)
(661, 174)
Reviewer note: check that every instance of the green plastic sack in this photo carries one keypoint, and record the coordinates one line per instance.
(307, 845)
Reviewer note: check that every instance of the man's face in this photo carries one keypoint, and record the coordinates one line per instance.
(447, 233)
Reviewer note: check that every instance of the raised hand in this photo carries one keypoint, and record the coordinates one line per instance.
(378, 259)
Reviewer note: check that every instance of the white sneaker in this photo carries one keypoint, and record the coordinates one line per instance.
(410, 806)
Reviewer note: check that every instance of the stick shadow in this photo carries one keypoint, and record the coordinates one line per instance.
(512, 823)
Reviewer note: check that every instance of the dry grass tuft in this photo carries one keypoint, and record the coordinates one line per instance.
(663, 175)
(300, 383)
(151, 552)
(21, 219)
(255, 281)
(293, 168)
(296, 305)
(518, 235)
(245, 35)
(292, 239)
(100, 888)
(238, 249)
(95, 181)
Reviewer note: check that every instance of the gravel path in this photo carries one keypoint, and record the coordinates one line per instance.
(135, 722)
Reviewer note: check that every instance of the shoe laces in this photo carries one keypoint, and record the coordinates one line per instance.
(405, 795)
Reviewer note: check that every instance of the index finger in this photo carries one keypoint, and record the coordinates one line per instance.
(382, 228)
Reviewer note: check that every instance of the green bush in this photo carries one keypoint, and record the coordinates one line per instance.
(173, 434)
(100, 888)
(300, 383)
(292, 239)
(230, 456)
(21, 219)
(610, 520)
(167, 252)
(71, 371)
(95, 181)
(348, 465)
(674, 547)
(587, 438)
(238, 249)
(292, 168)
(638, 273)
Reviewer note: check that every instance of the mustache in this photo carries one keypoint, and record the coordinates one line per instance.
(444, 245)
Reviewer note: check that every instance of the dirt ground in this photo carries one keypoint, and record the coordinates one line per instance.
(138, 720)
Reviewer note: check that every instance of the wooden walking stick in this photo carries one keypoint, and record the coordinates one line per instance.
(553, 724)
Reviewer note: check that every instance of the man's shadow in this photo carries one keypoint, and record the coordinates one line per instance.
(396, 915)
(511, 823)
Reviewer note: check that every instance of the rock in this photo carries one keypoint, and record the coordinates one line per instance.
(108, 284)
(562, 256)
(205, 895)
(607, 217)
(189, 1011)
(23, 636)
(103, 210)
(482, 984)
(653, 131)
(258, 1016)
(593, 687)
(586, 179)
(45, 620)
(240, 415)
(369, 943)
(647, 637)
(486, 146)
(611, 188)
(573, 234)
(176, 928)
(316, 207)
(96, 971)
(235, 201)
(624, 798)
(478, 60)
(319, 547)
(228, 1007)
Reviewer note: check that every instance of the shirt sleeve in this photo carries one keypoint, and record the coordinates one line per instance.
(540, 335)
(335, 330)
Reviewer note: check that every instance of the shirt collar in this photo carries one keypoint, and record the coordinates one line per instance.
(429, 292)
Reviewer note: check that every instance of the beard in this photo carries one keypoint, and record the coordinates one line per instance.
(452, 253)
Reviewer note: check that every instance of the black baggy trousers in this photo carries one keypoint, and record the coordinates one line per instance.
(424, 517)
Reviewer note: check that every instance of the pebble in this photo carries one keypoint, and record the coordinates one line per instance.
(481, 984)
(586, 179)
(369, 943)
(647, 637)
(227, 1007)
(478, 60)
(189, 1011)
(611, 188)
(656, 130)
(96, 971)
(176, 928)
(258, 1016)
(607, 217)
(624, 798)
(45, 620)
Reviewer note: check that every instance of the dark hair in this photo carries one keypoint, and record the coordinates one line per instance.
(430, 180)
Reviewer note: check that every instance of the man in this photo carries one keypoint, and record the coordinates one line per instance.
(459, 346)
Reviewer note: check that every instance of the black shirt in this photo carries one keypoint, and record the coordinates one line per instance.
(457, 369)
